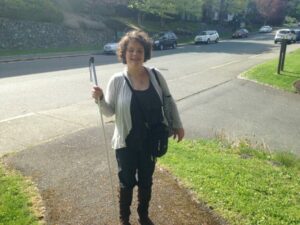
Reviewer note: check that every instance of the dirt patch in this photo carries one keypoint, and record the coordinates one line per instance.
(297, 86)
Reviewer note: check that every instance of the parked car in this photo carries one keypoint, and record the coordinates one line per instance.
(164, 40)
(110, 48)
(207, 37)
(297, 31)
(265, 29)
(240, 33)
(288, 34)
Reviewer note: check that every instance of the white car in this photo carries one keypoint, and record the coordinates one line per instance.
(110, 48)
(265, 29)
(287, 34)
(207, 37)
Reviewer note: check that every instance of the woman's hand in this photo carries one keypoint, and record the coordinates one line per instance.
(179, 134)
(97, 93)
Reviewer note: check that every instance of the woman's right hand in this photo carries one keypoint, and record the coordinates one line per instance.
(97, 93)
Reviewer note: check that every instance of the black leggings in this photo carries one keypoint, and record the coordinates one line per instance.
(135, 167)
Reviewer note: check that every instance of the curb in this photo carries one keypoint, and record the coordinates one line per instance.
(19, 58)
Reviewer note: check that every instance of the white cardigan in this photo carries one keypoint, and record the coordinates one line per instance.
(117, 101)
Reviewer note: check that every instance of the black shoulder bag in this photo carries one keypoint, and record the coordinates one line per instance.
(166, 105)
(157, 135)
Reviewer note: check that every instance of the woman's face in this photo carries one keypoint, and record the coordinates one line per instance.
(135, 54)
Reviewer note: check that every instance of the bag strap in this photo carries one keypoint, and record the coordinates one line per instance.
(155, 74)
(158, 81)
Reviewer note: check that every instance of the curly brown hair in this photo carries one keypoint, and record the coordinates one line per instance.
(135, 35)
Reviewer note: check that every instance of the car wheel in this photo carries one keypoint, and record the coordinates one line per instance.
(174, 45)
(208, 41)
(217, 40)
(275, 42)
(161, 47)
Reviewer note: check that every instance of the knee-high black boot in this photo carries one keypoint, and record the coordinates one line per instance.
(125, 199)
(144, 197)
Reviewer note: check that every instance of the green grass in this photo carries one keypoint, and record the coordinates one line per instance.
(243, 185)
(267, 73)
(16, 200)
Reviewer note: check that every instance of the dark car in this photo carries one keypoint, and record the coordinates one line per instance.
(240, 33)
(164, 40)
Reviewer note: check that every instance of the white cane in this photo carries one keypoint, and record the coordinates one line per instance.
(93, 78)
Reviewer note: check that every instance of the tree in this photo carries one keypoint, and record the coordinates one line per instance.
(224, 7)
(188, 8)
(272, 11)
(163, 9)
(252, 14)
(293, 9)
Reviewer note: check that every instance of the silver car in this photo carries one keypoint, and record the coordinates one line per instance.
(265, 29)
(207, 37)
(285, 34)
(110, 48)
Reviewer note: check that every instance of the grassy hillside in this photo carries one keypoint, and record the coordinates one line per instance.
(35, 10)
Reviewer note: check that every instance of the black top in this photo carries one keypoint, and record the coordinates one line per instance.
(146, 112)
(150, 105)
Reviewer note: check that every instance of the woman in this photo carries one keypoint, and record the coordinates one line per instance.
(131, 108)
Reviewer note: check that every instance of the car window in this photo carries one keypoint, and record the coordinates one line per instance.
(284, 31)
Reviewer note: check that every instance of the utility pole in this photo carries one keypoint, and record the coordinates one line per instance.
(282, 55)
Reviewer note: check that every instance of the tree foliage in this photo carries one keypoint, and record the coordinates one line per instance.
(272, 11)
(188, 7)
(156, 7)
(293, 9)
